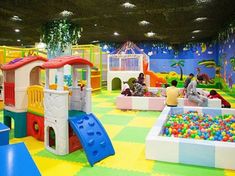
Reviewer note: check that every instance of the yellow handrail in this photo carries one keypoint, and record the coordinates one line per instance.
(35, 99)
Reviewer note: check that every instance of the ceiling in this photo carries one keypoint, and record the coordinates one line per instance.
(172, 20)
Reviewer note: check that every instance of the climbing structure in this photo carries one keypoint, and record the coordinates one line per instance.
(60, 110)
(126, 63)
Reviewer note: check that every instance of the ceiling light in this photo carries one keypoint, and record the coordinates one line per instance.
(193, 37)
(203, 1)
(116, 34)
(95, 25)
(95, 41)
(18, 40)
(66, 13)
(150, 34)
(196, 31)
(144, 23)
(199, 19)
(17, 30)
(16, 18)
(128, 5)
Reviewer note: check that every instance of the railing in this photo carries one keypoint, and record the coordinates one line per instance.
(9, 93)
(35, 99)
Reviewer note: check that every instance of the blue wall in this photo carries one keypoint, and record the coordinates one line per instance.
(226, 51)
(161, 56)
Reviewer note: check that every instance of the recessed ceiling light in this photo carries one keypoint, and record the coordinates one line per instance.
(144, 23)
(18, 40)
(95, 41)
(196, 31)
(116, 34)
(128, 5)
(150, 34)
(66, 13)
(203, 1)
(199, 19)
(17, 30)
(16, 18)
(193, 37)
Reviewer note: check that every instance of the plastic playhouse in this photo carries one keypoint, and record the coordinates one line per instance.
(58, 115)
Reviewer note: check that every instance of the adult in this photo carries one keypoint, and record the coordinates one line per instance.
(192, 93)
(138, 89)
(172, 93)
(141, 79)
(188, 80)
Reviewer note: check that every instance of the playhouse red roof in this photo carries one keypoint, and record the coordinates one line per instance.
(19, 62)
(59, 62)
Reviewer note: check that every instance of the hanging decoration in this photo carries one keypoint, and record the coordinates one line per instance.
(227, 33)
(59, 34)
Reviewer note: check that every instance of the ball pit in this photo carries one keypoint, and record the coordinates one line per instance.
(201, 126)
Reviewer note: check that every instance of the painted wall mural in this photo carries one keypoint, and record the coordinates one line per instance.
(227, 62)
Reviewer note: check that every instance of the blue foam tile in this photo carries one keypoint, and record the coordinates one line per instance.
(16, 161)
(195, 152)
(212, 111)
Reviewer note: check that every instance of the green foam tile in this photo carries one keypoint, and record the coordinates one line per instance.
(103, 171)
(132, 134)
(173, 169)
(148, 113)
(77, 156)
(116, 119)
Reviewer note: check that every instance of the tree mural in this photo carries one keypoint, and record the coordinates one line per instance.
(179, 64)
(232, 61)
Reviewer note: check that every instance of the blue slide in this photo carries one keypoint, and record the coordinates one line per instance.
(92, 136)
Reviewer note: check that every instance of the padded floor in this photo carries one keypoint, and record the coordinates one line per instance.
(127, 130)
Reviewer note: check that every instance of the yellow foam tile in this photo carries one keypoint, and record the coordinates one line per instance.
(32, 144)
(142, 122)
(98, 100)
(113, 130)
(229, 173)
(122, 112)
(106, 104)
(52, 167)
(128, 156)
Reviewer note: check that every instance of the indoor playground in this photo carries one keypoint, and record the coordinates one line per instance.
(131, 88)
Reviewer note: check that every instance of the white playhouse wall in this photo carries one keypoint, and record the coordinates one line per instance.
(56, 116)
(122, 74)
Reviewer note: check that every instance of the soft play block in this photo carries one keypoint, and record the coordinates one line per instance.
(4, 134)
(127, 104)
(140, 103)
(162, 149)
(16, 161)
(156, 104)
(197, 152)
(225, 155)
(213, 112)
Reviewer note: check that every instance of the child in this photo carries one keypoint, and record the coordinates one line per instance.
(172, 93)
(126, 91)
(214, 94)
